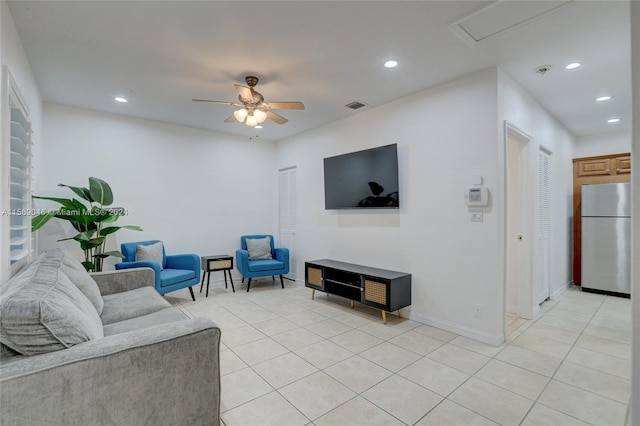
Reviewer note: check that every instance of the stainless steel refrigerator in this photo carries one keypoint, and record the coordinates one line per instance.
(606, 238)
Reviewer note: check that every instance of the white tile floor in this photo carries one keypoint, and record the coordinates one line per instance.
(289, 360)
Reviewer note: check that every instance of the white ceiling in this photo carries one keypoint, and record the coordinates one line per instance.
(161, 54)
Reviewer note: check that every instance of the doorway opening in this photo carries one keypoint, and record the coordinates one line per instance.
(519, 229)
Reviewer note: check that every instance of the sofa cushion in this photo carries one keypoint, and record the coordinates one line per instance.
(265, 265)
(130, 304)
(152, 252)
(164, 316)
(42, 311)
(172, 276)
(259, 248)
(79, 276)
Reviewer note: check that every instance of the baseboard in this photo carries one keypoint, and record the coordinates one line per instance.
(494, 340)
(561, 290)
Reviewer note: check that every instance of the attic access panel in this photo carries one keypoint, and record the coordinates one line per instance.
(502, 17)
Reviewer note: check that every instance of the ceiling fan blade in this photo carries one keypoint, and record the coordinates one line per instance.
(285, 105)
(246, 95)
(230, 119)
(275, 117)
(217, 102)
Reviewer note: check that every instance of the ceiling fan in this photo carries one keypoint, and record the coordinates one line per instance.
(254, 110)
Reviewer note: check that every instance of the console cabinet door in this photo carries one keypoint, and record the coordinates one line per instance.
(313, 275)
(376, 292)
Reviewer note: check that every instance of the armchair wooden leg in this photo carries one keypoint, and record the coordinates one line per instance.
(191, 291)
(242, 280)
(273, 277)
(248, 285)
(281, 281)
(202, 282)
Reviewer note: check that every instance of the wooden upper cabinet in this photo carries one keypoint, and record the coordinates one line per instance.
(614, 168)
(602, 166)
(623, 164)
(597, 167)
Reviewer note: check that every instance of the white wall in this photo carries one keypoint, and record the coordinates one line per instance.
(520, 109)
(603, 144)
(444, 135)
(196, 190)
(13, 57)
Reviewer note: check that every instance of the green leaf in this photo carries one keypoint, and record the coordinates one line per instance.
(89, 266)
(39, 221)
(91, 244)
(109, 253)
(111, 229)
(81, 192)
(100, 191)
(67, 203)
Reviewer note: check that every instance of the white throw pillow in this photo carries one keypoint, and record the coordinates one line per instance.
(259, 248)
(152, 252)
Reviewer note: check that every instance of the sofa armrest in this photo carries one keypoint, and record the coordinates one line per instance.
(121, 379)
(110, 282)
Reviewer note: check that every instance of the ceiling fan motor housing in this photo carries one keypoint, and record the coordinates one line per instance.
(251, 80)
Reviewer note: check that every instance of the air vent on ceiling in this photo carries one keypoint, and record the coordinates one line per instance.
(355, 105)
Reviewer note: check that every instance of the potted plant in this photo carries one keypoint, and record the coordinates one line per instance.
(94, 222)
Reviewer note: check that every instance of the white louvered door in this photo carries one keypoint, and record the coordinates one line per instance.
(542, 264)
(287, 214)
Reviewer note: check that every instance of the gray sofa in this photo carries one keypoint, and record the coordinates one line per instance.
(105, 348)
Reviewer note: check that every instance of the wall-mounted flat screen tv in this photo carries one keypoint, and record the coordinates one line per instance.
(363, 179)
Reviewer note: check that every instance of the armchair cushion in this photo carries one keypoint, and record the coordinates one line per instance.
(151, 252)
(265, 265)
(259, 248)
(172, 276)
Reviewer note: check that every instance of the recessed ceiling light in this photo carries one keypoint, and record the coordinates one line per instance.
(257, 127)
(613, 120)
(120, 99)
(391, 64)
(572, 66)
(603, 98)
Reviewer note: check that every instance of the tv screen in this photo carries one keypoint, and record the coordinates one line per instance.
(363, 179)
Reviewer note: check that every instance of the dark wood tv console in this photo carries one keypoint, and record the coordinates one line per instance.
(379, 288)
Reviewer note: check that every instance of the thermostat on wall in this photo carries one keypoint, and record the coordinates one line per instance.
(476, 196)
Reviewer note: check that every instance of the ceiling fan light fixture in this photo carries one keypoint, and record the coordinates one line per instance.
(251, 120)
(240, 114)
(259, 115)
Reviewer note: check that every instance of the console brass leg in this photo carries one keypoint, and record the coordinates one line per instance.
(313, 293)
(400, 313)
(352, 303)
(384, 316)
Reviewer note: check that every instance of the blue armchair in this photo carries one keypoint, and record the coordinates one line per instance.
(176, 272)
(277, 265)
